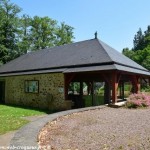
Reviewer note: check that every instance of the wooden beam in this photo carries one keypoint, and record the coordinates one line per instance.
(107, 93)
(122, 90)
(81, 88)
(67, 80)
(114, 87)
(81, 94)
(136, 83)
(92, 92)
(106, 78)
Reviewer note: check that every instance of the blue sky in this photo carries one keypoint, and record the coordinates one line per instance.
(116, 21)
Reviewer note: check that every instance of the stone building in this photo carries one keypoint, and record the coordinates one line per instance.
(42, 79)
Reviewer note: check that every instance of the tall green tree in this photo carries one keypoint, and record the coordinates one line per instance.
(45, 32)
(147, 36)
(140, 52)
(24, 38)
(139, 40)
(8, 30)
(42, 32)
(64, 34)
(19, 35)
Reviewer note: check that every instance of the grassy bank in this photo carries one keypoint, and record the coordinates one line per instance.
(11, 117)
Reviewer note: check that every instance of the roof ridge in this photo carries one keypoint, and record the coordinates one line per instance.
(99, 41)
(65, 44)
(123, 64)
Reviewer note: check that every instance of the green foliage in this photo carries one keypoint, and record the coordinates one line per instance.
(8, 29)
(19, 35)
(64, 34)
(100, 91)
(139, 42)
(146, 89)
(25, 42)
(140, 53)
(127, 87)
(142, 57)
(42, 32)
(11, 117)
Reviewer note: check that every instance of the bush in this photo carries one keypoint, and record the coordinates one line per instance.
(138, 100)
(146, 88)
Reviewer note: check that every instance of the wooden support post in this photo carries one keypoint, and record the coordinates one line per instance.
(114, 87)
(122, 90)
(66, 86)
(67, 80)
(149, 81)
(92, 92)
(107, 93)
(136, 84)
(107, 88)
(81, 94)
(81, 88)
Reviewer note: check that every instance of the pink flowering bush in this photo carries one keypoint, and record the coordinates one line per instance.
(138, 100)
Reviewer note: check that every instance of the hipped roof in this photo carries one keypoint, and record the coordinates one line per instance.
(89, 55)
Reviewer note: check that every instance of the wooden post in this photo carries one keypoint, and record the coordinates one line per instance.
(136, 84)
(67, 80)
(107, 88)
(92, 92)
(149, 81)
(81, 94)
(122, 90)
(66, 86)
(107, 93)
(81, 88)
(114, 87)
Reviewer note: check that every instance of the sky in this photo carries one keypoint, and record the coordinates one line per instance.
(116, 21)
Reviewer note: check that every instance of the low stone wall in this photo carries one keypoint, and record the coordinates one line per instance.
(48, 84)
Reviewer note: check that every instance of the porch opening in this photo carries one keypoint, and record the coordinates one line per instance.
(97, 88)
(86, 94)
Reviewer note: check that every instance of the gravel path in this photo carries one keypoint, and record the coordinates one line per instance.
(100, 129)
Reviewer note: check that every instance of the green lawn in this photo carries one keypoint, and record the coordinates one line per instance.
(11, 117)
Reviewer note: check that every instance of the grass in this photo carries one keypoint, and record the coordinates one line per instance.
(11, 117)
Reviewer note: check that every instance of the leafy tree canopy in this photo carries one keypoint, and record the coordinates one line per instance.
(19, 35)
(140, 52)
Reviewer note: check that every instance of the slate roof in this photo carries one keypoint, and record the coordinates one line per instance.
(81, 56)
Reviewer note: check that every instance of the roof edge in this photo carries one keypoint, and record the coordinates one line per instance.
(61, 67)
(67, 67)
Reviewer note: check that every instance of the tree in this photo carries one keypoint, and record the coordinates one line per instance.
(147, 36)
(140, 53)
(24, 41)
(64, 34)
(138, 41)
(8, 29)
(127, 52)
(19, 35)
(42, 32)
(45, 32)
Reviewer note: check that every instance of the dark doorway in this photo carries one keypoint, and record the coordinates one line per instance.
(2, 92)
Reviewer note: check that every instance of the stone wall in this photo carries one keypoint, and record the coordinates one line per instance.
(52, 83)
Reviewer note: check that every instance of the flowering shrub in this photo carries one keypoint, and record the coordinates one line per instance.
(138, 100)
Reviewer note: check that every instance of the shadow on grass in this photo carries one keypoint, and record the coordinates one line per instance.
(31, 108)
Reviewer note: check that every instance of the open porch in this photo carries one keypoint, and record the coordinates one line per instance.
(100, 87)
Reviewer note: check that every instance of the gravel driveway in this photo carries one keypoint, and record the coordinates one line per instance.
(100, 129)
